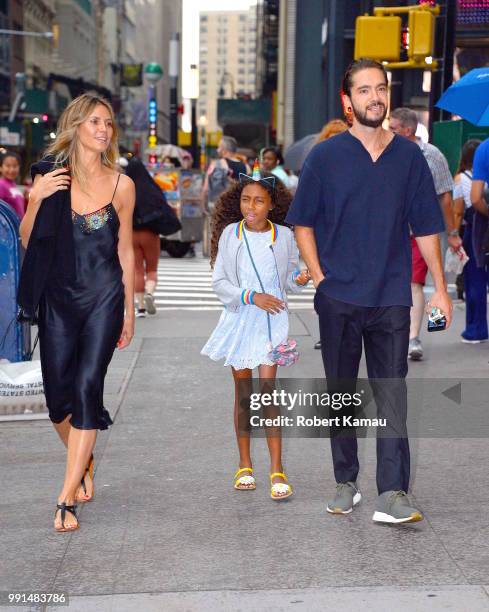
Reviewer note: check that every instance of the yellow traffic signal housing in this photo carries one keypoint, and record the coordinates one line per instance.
(378, 37)
(421, 34)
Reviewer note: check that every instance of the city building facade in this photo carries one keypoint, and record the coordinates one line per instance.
(166, 16)
(11, 49)
(126, 25)
(39, 16)
(227, 59)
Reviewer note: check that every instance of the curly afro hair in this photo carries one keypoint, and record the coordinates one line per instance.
(227, 209)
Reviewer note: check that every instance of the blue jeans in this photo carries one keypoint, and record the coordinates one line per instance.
(476, 282)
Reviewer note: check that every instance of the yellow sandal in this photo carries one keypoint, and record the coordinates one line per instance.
(280, 490)
(244, 483)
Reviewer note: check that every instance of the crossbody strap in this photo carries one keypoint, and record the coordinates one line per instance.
(259, 280)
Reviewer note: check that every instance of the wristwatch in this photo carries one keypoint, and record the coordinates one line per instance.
(453, 233)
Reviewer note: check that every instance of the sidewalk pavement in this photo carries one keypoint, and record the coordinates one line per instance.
(166, 530)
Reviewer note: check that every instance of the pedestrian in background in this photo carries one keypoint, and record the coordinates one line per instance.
(404, 122)
(9, 189)
(330, 129)
(293, 180)
(78, 276)
(220, 175)
(272, 162)
(255, 262)
(477, 240)
(221, 172)
(358, 194)
(146, 242)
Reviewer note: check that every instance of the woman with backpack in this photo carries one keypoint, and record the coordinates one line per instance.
(222, 172)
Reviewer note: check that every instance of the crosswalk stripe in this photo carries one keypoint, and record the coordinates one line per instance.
(187, 285)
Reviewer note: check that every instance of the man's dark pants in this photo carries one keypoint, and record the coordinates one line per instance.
(385, 334)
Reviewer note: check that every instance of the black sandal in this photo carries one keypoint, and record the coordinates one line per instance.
(89, 469)
(64, 509)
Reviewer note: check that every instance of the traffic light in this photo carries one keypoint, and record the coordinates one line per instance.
(378, 38)
(421, 35)
(385, 36)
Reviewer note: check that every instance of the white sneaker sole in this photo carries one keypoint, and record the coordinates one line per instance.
(356, 500)
(382, 517)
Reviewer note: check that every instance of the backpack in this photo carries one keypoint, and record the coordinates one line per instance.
(218, 180)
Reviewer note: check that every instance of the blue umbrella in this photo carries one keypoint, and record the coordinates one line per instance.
(469, 97)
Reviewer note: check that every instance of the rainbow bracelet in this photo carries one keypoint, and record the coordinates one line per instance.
(295, 275)
(247, 297)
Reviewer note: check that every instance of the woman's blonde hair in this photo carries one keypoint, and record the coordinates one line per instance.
(65, 148)
(333, 127)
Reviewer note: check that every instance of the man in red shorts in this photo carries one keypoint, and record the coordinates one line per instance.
(404, 121)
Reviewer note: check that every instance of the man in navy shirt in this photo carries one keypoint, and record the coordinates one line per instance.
(358, 195)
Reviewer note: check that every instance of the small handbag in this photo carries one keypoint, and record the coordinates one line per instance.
(285, 353)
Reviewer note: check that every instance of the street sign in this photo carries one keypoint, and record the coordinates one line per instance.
(131, 75)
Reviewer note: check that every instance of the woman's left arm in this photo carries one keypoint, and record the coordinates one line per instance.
(127, 197)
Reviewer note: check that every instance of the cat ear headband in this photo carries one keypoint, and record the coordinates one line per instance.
(267, 181)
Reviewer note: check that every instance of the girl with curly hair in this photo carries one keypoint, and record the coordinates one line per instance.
(255, 261)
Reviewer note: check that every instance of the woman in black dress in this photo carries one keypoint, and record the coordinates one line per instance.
(78, 232)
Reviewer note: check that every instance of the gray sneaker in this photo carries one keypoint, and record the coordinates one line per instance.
(347, 496)
(149, 302)
(394, 507)
(415, 351)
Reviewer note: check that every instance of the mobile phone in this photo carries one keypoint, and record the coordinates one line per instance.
(436, 320)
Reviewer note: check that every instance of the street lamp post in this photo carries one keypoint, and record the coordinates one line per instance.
(153, 74)
(194, 94)
(173, 74)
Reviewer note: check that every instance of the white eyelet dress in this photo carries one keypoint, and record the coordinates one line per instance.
(241, 338)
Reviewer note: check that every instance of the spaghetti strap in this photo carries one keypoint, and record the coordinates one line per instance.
(116, 185)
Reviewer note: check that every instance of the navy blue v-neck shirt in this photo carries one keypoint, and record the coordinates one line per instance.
(361, 212)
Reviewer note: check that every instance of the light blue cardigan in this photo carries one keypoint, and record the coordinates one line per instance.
(225, 277)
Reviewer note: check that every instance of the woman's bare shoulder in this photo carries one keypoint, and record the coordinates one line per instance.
(125, 194)
(126, 187)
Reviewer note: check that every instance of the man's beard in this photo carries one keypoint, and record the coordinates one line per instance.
(364, 120)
